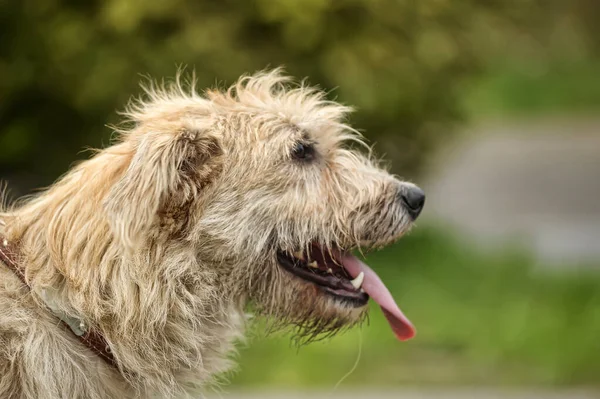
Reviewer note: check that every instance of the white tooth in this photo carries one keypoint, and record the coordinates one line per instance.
(299, 255)
(313, 264)
(329, 271)
(357, 282)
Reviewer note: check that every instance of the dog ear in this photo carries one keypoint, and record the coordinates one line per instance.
(166, 174)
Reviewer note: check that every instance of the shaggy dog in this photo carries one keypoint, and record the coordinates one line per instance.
(205, 204)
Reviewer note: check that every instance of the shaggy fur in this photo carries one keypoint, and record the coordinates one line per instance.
(162, 240)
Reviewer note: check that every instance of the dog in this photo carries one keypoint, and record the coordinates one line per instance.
(132, 275)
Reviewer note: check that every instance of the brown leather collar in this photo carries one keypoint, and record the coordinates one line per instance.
(91, 338)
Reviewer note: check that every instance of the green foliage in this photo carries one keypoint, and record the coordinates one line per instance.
(480, 319)
(68, 65)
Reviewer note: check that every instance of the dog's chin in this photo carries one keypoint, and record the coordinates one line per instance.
(315, 297)
(315, 314)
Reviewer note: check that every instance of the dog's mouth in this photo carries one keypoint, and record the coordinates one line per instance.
(347, 279)
(324, 270)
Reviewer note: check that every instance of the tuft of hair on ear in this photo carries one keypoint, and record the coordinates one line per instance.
(165, 175)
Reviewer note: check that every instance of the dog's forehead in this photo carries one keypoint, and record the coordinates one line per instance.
(268, 106)
(285, 130)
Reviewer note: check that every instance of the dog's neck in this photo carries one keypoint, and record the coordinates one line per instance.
(163, 313)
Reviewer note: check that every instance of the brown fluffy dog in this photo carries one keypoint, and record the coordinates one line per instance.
(203, 205)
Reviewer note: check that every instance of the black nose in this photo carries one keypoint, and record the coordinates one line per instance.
(413, 199)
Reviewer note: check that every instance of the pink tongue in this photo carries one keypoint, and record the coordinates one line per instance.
(373, 286)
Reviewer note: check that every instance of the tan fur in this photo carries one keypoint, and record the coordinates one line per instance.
(161, 240)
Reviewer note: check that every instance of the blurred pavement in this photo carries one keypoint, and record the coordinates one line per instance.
(535, 182)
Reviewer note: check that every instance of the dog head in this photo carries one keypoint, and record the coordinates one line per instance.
(266, 183)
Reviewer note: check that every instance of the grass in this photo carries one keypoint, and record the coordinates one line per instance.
(482, 320)
(530, 88)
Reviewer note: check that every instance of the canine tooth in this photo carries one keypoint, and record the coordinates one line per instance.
(329, 271)
(357, 282)
(299, 255)
(313, 264)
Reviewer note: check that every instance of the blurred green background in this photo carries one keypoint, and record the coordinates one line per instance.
(421, 74)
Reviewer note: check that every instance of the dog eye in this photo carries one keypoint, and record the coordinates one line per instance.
(303, 151)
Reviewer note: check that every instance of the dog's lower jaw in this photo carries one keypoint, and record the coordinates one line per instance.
(302, 308)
